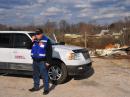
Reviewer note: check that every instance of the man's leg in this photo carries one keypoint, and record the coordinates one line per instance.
(36, 76)
(44, 74)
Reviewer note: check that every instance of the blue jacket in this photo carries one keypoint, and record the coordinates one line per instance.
(39, 48)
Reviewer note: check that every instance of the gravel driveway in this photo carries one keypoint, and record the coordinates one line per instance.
(111, 78)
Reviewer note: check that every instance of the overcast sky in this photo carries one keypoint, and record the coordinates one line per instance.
(22, 12)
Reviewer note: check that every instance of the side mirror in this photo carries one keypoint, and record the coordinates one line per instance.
(62, 43)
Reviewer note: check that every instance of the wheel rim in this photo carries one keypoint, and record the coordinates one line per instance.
(54, 72)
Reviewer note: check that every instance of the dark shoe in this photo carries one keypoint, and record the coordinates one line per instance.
(33, 89)
(45, 92)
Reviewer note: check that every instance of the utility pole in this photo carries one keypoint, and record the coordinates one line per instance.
(85, 43)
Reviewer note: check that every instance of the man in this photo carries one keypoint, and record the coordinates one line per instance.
(41, 54)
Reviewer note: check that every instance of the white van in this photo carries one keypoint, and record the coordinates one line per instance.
(15, 47)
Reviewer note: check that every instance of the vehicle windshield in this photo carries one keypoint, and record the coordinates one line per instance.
(52, 41)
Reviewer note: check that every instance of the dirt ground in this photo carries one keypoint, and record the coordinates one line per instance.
(111, 78)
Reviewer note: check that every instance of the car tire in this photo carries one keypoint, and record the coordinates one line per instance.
(62, 72)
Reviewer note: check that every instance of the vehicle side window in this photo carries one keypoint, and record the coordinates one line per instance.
(21, 41)
(5, 41)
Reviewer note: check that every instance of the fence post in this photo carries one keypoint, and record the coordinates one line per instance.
(85, 43)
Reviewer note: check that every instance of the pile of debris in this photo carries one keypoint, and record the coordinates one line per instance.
(111, 50)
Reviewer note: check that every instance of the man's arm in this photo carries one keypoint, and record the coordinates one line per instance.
(49, 52)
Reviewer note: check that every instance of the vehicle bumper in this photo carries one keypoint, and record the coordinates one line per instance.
(79, 70)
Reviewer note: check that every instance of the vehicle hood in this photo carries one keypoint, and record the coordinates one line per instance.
(68, 47)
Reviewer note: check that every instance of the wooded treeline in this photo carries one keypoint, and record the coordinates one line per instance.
(64, 27)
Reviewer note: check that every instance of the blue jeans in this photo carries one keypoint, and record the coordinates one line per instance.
(39, 68)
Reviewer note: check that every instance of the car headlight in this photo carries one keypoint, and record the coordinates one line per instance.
(72, 56)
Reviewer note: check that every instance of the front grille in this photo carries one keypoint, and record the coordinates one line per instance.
(86, 55)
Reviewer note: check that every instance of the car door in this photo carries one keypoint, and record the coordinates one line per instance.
(21, 52)
(5, 50)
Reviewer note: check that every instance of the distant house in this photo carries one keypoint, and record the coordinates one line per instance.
(117, 35)
(101, 34)
(73, 36)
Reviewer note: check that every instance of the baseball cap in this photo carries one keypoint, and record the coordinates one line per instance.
(38, 31)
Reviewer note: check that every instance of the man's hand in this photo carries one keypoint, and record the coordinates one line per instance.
(47, 64)
(33, 38)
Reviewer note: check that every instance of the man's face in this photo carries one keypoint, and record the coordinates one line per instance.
(39, 36)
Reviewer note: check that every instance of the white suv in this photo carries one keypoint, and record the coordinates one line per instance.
(15, 47)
